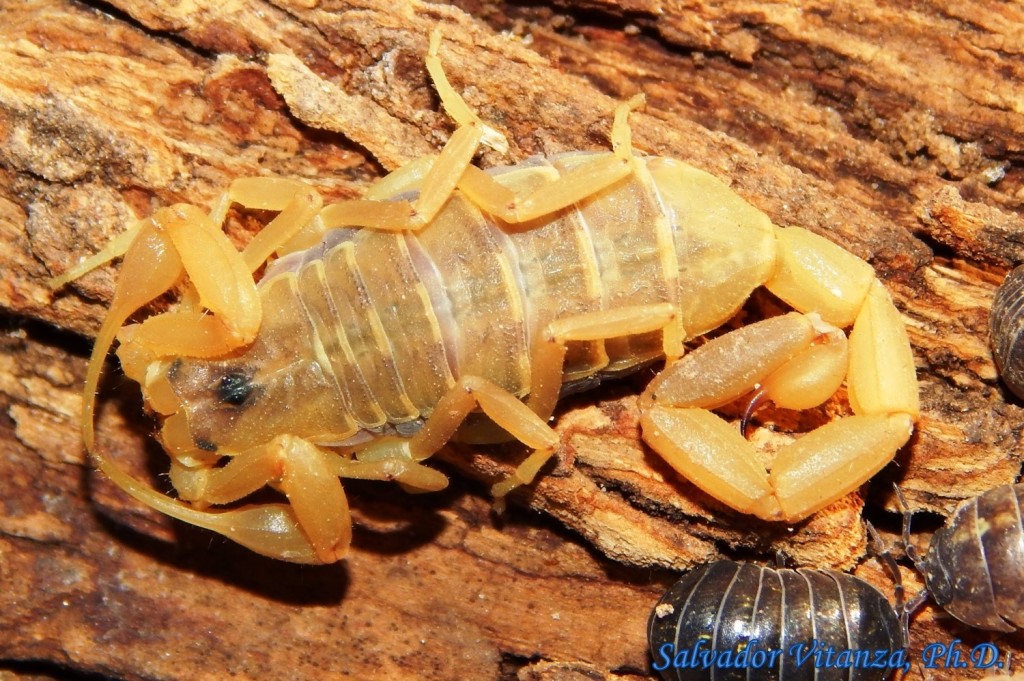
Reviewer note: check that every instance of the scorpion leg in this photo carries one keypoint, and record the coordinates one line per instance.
(296, 227)
(572, 187)
(408, 178)
(222, 281)
(548, 357)
(176, 239)
(307, 530)
(437, 177)
(298, 468)
(549, 350)
(314, 527)
(157, 252)
(524, 422)
(780, 356)
(467, 395)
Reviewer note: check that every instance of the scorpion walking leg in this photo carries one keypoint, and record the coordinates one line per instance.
(176, 239)
(505, 409)
(572, 187)
(222, 281)
(182, 239)
(524, 422)
(548, 357)
(300, 469)
(297, 227)
(789, 358)
(437, 177)
(313, 528)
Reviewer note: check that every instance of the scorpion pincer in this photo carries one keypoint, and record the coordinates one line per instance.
(381, 324)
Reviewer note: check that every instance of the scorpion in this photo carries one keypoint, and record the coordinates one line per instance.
(381, 324)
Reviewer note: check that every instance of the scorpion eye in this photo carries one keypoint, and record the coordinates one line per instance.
(234, 389)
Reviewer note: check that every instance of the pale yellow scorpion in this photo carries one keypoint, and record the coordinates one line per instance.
(361, 352)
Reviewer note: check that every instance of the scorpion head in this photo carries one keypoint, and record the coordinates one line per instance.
(225, 406)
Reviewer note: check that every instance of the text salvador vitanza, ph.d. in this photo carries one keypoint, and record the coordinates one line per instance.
(752, 655)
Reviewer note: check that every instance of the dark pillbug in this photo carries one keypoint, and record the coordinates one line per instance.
(1006, 324)
(730, 620)
(974, 568)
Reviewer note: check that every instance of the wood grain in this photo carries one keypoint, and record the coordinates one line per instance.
(895, 132)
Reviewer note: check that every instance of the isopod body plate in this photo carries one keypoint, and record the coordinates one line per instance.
(974, 568)
(1006, 330)
(792, 624)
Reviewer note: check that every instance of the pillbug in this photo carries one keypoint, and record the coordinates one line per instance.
(730, 620)
(1006, 330)
(974, 567)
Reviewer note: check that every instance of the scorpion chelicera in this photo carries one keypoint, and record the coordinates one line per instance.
(381, 324)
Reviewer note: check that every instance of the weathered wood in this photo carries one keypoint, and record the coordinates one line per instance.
(896, 133)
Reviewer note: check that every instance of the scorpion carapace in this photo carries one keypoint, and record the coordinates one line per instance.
(362, 351)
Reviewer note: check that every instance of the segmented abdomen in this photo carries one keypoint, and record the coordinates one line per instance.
(974, 568)
(777, 620)
(397, 317)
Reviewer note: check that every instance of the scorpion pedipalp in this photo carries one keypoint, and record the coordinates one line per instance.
(834, 459)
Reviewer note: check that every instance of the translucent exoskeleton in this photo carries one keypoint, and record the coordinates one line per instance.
(380, 324)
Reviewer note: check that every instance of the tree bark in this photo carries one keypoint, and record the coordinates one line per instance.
(894, 132)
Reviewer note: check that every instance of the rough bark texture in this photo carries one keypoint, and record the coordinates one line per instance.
(895, 132)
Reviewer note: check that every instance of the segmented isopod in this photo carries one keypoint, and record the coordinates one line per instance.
(1006, 330)
(732, 620)
(974, 568)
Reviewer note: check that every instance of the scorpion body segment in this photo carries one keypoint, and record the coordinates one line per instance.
(974, 568)
(372, 328)
(772, 617)
(361, 352)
